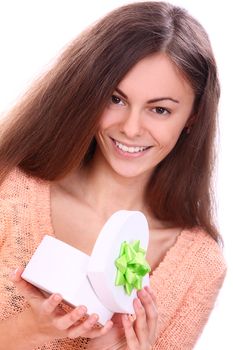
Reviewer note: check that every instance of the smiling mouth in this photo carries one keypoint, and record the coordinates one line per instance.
(130, 149)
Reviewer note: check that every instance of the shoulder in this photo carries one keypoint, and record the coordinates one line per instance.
(19, 187)
(24, 207)
(205, 255)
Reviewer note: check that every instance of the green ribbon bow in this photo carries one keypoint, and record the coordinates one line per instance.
(131, 266)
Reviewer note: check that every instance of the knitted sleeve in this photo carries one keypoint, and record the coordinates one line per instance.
(4, 222)
(192, 314)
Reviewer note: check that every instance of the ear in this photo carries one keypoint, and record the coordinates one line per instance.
(191, 120)
(189, 124)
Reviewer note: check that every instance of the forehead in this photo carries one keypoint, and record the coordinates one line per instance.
(156, 76)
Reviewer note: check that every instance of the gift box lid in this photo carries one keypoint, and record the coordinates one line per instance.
(122, 226)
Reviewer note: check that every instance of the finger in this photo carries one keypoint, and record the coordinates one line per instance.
(84, 327)
(148, 302)
(131, 338)
(15, 275)
(97, 332)
(26, 289)
(50, 304)
(69, 319)
(152, 294)
(141, 327)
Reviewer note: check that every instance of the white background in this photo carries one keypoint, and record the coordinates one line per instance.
(32, 32)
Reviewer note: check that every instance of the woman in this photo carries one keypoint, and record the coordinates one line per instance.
(124, 120)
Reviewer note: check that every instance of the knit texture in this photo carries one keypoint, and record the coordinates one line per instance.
(186, 282)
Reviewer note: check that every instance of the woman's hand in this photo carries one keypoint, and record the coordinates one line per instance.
(141, 333)
(47, 321)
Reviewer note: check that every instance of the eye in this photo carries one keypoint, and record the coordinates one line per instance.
(117, 100)
(161, 110)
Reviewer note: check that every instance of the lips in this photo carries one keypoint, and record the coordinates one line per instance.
(130, 149)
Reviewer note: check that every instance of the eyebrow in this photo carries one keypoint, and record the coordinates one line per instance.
(120, 92)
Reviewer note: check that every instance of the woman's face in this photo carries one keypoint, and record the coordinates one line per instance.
(144, 118)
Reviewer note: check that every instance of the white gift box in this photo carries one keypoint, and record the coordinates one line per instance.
(57, 267)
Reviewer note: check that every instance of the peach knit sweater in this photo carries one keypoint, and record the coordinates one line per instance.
(185, 283)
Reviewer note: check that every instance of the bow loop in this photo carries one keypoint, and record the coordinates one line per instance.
(131, 266)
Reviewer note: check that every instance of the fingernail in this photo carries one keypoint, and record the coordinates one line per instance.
(138, 303)
(57, 297)
(82, 310)
(14, 273)
(132, 318)
(148, 289)
(93, 319)
(143, 292)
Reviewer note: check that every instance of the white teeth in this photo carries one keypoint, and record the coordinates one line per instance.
(129, 149)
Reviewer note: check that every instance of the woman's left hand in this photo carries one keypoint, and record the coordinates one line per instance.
(141, 333)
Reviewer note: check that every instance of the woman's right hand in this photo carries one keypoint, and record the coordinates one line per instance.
(46, 320)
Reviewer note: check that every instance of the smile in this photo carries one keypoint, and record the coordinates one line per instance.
(130, 149)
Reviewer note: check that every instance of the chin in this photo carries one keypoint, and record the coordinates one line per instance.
(131, 173)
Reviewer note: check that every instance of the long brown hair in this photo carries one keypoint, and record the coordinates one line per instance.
(52, 129)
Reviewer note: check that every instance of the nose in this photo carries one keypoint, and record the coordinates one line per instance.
(131, 125)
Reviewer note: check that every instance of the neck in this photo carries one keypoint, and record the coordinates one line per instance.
(106, 191)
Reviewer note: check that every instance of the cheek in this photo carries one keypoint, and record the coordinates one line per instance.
(108, 118)
(167, 136)
(174, 136)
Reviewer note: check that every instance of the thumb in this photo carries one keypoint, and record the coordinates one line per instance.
(25, 288)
